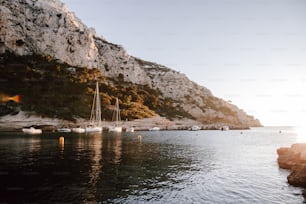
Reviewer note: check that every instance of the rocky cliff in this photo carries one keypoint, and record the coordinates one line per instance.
(47, 28)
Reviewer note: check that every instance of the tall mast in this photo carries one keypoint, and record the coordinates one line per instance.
(98, 106)
(95, 116)
(117, 112)
(92, 114)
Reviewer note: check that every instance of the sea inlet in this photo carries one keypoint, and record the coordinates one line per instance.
(155, 167)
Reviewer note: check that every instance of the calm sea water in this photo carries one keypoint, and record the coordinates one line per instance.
(158, 167)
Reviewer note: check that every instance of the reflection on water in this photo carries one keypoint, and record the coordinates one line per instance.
(96, 165)
(160, 167)
(34, 144)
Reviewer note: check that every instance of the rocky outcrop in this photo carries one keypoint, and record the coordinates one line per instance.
(47, 28)
(294, 159)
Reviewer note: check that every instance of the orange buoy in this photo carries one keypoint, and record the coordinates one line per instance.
(61, 140)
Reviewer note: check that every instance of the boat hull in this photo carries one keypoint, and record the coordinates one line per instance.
(31, 130)
(154, 129)
(116, 129)
(63, 130)
(78, 130)
(93, 129)
(195, 128)
(130, 129)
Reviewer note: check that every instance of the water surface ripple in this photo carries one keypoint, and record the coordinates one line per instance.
(158, 167)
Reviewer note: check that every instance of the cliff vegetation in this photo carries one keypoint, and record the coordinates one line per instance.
(57, 90)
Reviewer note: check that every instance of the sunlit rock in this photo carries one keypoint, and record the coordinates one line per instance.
(286, 158)
(294, 158)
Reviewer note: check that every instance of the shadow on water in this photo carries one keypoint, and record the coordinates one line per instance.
(96, 167)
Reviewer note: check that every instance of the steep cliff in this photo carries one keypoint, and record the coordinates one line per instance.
(47, 28)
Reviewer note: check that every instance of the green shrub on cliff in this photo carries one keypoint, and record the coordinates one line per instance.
(54, 89)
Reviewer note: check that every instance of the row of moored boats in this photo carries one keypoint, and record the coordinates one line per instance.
(33, 130)
(95, 122)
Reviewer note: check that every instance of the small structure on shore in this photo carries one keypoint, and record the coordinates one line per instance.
(224, 128)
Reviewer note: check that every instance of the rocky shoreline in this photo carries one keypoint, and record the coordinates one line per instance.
(294, 159)
(24, 119)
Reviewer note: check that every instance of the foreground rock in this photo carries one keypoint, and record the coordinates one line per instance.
(294, 159)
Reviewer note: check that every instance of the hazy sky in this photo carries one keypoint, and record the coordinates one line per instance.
(252, 52)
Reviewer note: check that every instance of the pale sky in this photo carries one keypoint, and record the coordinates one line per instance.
(252, 52)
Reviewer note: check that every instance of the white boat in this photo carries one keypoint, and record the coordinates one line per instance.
(31, 130)
(130, 129)
(93, 129)
(63, 130)
(116, 116)
(78, 130)
(95, 124)
(115, 129)
(195, 128)
(154, 129)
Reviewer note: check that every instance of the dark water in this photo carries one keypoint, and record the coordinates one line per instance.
(159, 167)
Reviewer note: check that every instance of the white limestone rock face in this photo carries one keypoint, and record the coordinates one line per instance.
(46, 27)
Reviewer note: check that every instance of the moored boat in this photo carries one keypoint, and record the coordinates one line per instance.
(63, 130)
(78, 130)
(117, 127)
(195, 128)
(93, 129)
(154, 129)
(95, 124)
(130, 129)
(31, 130)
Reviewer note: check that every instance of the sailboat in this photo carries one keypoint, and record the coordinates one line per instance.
(116, 128)
(95, 124)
